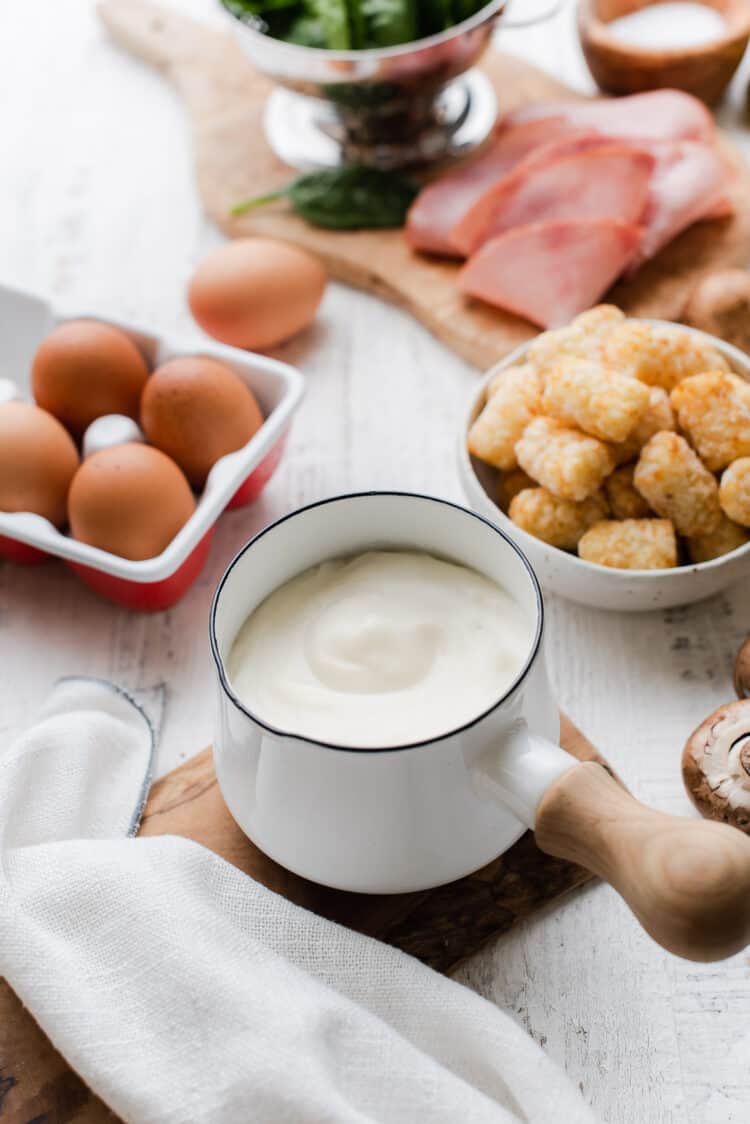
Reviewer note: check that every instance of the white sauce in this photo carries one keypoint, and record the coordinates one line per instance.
(382, 649)
(670, 26)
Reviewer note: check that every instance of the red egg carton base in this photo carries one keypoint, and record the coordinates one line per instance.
(148, 597)
(20, 552)
(257, 480)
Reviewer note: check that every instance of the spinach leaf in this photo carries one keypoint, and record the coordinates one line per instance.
(341, 25)
(389, 22)
(251, 9)
(242, 8)
(306, 31)
(462, 9)
(349, 198)
(434, 16)
(315, 23)
(356, 24)
(333, 17)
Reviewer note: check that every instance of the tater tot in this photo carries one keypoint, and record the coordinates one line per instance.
(510, 484)
(583, 338)
(734, 491)
(713, 410)
(672, 478)
(595, 398)
(727, 536)
(515, 400)
(500, 379)
(657, 416)
(571, 464)
(660, 355)
(555, 521)
(630, 544)
(624, 500)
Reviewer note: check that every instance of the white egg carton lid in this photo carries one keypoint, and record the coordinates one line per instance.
(26, 319)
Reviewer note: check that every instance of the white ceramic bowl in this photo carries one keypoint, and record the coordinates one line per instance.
(585, 582)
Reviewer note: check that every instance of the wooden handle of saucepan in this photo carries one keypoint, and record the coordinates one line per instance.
(686, 880)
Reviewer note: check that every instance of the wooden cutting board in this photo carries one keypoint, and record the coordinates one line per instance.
(440, 926)
(225, 99)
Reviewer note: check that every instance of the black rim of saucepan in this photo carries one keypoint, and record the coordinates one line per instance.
(275, 730)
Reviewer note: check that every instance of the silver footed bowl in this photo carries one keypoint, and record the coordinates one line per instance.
(389, 108)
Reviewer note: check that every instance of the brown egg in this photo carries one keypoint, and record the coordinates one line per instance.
(255, 292)
(85, 369)
(130, 500)
(197, 410)
(37, 461)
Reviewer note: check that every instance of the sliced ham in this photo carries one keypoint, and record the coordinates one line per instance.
(688, 183)
(440, 205)
(721, 209)
(656, 115)
(548, 272)
(477, 216)
(599, 180)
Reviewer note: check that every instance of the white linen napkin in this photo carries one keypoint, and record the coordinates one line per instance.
(182, 991)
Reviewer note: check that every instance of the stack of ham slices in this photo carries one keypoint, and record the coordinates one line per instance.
(571, 195)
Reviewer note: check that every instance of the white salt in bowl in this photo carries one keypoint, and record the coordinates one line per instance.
(667, 57)
(569, 576)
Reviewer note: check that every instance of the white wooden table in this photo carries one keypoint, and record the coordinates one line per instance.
(98, 209)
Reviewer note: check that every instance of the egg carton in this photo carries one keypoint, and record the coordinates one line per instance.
(234, 481)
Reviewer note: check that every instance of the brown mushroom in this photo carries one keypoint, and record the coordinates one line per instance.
(720, 304)
(742, 671)
(716, 765)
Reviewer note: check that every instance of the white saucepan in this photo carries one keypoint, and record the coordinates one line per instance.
(414, 816)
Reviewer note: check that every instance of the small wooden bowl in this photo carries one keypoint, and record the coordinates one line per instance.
(622, 68)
